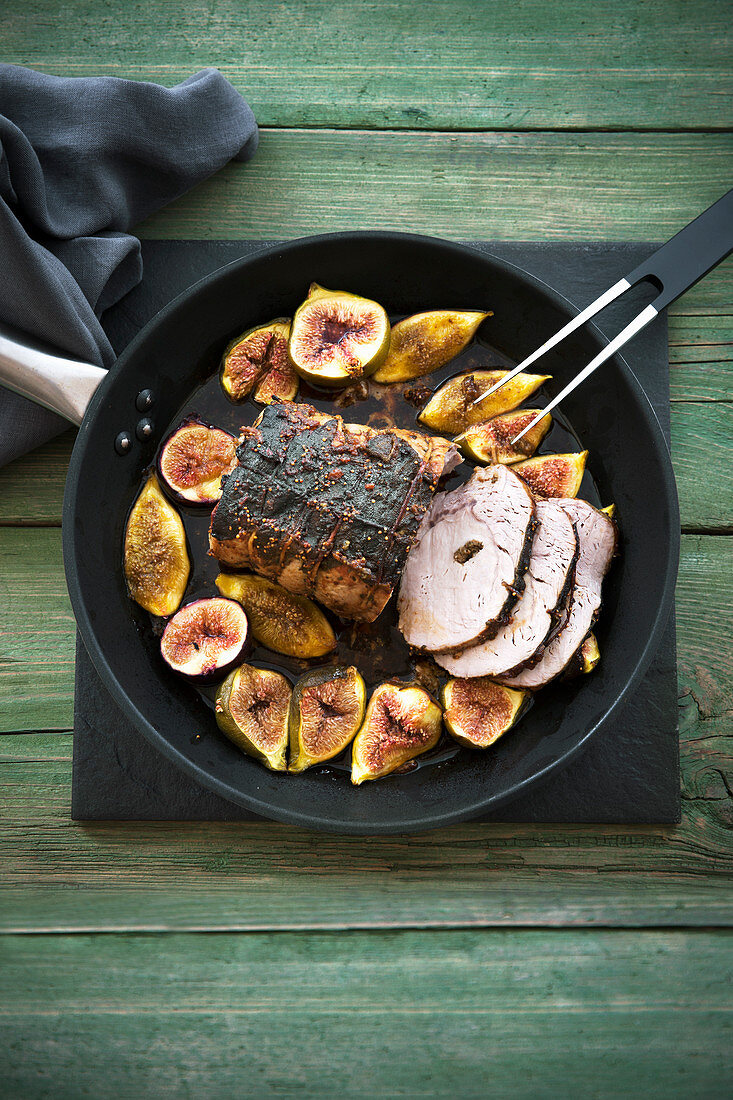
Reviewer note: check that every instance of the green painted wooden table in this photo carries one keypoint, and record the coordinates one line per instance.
(219, 960)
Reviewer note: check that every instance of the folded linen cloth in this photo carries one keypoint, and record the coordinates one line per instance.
(82, 160)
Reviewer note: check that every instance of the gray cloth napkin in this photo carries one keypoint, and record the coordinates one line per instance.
(82, 160)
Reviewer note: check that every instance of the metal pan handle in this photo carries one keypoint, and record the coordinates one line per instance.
(63, 385)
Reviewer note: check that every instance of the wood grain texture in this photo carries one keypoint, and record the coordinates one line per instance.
(492, 186)
(60, 875)
(530, 1014)
(440, 65)
(37, 639)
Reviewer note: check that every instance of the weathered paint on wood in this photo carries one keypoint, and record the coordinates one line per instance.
(59, 875)
(62, 876)
(37, 638)
(451, 64)
(504, 186)
(520, 1014)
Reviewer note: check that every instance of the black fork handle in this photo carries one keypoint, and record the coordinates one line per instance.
(695, 250)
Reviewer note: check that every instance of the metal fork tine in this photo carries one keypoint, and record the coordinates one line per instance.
(647, 314)
(600, 303)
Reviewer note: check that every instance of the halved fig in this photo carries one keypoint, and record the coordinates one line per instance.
(451, 409)
(553, 475)
(478, 711)
(585, 659)
(492, 442)
(336, 337)
(422, 343)
(251, 708)
(590, 654)
(401, 722)
(205, 638)
(156, 562)
(325, 712)
(258, 360)
(193, 460)
(283, 622)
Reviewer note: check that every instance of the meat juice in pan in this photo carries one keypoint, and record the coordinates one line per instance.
(377, 649)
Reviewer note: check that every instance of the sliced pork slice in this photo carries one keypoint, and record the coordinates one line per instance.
(466, 567)
(596, 547)
(551, 563)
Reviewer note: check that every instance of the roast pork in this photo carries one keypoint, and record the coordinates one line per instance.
(326, 508)
(466, 567)
(596, 546)
(547, 581)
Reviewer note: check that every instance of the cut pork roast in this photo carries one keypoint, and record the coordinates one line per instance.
(596, 547)
(326, 509)
(547, 580)
(466, 568)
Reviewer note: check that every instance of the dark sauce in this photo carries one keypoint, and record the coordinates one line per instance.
(377, 649)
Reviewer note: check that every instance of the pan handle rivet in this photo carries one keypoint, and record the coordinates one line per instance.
(144, 400)
(144, 429)
(123, 443)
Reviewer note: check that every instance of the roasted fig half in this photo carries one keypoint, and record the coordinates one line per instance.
(401, 722)
(283, 622)
(336, 337)
(590, 654)
(584, 660)
(205, 638)
(492, 442)
(258, 361)
(553, 475)
(451, 409)
(156, 562)
(422, 343)
(252, 708)
(478, 711)
(193, 459)
(326, 711)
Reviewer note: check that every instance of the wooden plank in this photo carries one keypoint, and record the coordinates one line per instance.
(647, 64)
(37, 640)
(702, 453)
(59, 875)
(536, 1014)
(32, 487)
(547, 186)
(162, 876)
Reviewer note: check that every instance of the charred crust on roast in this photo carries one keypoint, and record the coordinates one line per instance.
(309, 490)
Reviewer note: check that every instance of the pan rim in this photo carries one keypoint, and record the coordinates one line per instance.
(291, 815)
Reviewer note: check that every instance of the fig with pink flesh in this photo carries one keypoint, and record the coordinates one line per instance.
(257, 363)
(193, 460)
(553, 475)
(492, 441)
(252, 708)
(477, 711)
(205, 638)
(401, 722)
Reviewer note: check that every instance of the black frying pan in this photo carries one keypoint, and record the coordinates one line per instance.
(182, 346)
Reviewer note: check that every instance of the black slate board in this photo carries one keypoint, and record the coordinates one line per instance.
(628, 775)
